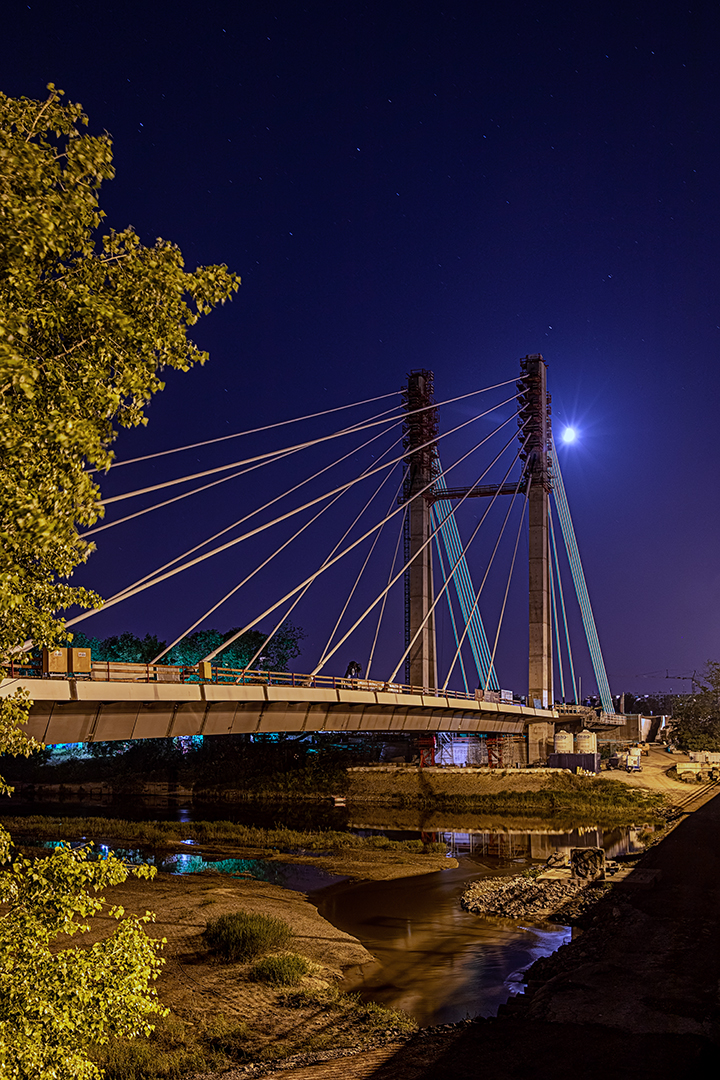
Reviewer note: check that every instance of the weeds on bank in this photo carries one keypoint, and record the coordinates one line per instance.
(569, 796)
(244, 935)
(166, 833)
(365, 1016)
(175, 1049)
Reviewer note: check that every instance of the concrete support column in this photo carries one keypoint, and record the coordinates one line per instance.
(540, 735)
(540, 680)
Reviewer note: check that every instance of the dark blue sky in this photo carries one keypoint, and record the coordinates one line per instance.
(439, 185)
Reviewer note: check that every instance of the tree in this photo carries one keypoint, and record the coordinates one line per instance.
(87, 323)
(282, 648)
(126, 648)
(696, 716)
(56, 1005)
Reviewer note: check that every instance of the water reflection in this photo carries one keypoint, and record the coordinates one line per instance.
(435, 961)
(521, 844)
(296, 876)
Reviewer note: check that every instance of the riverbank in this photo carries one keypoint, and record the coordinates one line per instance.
(634, 994)
(374, 858)
(518, 793)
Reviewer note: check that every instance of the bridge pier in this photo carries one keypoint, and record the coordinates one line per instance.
(540, 742)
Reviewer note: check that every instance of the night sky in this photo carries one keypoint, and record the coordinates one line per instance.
(420, 185)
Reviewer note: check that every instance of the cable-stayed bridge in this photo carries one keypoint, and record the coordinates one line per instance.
(413, 552)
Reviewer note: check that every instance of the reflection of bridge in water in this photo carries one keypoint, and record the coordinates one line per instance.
(508, 845)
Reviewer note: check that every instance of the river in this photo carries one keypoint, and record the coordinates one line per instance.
(434, 961)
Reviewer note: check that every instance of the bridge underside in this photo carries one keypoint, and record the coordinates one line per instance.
(74, 711)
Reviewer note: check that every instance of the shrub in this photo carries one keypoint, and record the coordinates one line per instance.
(285, 970)
(242, 935)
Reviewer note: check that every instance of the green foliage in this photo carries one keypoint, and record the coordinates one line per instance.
(14, 710)
(285, 645)
(696, 717)
(126, 648)
(243, 935)
(87, 323)
(57, 1004)
(129, 648)
(288, 969)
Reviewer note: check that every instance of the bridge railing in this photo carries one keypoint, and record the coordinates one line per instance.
(120, 671)
(324, 682)
(591, 716)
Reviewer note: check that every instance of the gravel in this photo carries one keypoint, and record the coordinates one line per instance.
(524, 897)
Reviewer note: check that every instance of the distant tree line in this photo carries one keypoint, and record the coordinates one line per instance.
(696, 717)
(130, 649)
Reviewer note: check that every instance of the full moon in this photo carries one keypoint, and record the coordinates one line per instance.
(569, 434)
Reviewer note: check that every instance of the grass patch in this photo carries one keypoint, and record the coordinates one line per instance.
(177, 1049)
(310, 1021)
(243, 935)
(174, 1050)
(288, 969)
(366, 1017)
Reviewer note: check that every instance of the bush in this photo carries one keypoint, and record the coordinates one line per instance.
(243, 936)
(285, 970)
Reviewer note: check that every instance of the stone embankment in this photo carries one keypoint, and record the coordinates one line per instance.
(562, 891)
(526, 897)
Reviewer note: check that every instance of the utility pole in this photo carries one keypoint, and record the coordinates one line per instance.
(419, 429)
(534, 418)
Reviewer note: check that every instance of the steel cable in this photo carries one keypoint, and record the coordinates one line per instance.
(352, 546)
(146, 584)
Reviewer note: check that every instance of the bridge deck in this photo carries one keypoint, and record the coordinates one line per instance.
(68, 710)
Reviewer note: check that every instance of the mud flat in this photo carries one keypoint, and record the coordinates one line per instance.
(220, 1017)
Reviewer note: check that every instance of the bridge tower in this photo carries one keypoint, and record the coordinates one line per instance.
(534, 415)
(420, 428)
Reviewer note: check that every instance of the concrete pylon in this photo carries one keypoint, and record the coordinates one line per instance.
(420, 429)
(534, 415)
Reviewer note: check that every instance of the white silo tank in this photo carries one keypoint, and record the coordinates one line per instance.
(586, 742)
(564, 742)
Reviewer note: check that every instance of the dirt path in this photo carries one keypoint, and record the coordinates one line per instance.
(655, 768)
